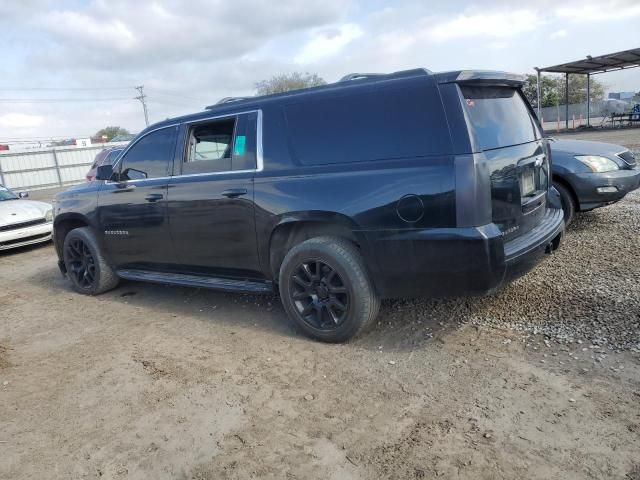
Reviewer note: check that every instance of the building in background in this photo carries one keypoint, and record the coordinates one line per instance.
(625, 96)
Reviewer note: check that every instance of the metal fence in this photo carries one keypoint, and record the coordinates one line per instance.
(47, 168)
(599, 108)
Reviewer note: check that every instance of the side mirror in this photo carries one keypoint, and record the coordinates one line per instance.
(134, 174)
(23, 195)
(104, 172)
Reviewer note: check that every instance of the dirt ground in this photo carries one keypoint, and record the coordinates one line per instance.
(155, 382)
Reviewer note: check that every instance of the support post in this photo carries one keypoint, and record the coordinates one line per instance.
(2, 174)
(539, 92)
(588, 99)
(566, 100)
(142, 97)
(55, 161)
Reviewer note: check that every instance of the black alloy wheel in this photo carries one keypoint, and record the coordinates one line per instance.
(80, 263)
(320, 296)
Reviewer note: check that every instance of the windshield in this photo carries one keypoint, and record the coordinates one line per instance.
(111, 158)
(6, 194)
(499, 116)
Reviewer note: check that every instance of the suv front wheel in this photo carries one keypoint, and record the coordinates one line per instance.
(326, 290)
(86, 267)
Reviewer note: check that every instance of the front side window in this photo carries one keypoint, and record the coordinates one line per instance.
(150, 157)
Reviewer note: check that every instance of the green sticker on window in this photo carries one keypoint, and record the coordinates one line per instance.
(239, 147)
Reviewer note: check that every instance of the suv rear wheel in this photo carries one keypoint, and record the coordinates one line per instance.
(326, 290)
(86, 267)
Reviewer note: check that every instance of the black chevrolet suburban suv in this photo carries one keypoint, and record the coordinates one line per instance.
(378, 186)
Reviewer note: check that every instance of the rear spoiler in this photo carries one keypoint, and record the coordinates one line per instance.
(482, 77)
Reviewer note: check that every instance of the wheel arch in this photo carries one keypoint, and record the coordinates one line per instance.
(296, 228)
(63, 224)
(565, 183)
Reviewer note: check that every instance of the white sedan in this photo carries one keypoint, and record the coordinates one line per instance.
(23, 222)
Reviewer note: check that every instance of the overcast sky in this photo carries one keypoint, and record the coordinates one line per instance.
(190, 54)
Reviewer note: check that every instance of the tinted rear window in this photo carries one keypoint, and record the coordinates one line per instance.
(499, 117)
(381, 123)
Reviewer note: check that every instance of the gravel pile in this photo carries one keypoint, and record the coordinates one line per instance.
(588, 292)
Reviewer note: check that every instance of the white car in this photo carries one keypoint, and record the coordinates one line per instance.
(23, 222)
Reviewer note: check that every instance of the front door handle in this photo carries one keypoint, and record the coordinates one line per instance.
(123, 187)
(154, 197)
(234, 192)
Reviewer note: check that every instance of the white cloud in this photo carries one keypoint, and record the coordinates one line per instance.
(20, 120)
(138, 34)
(498, 45)
(189, 57)
(494, 24)
(599, 11)
(327, 42)
(109, 33)
(558, 34)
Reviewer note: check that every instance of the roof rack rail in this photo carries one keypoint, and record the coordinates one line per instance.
(359, 76)
(226, 100)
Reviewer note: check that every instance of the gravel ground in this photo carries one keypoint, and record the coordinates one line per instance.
(588, 292)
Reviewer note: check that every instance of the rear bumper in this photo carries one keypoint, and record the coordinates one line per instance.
(446, 262)
(25, 236)
(586, 186)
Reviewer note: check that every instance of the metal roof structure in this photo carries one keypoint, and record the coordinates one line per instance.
(603, 63)
(590, 66)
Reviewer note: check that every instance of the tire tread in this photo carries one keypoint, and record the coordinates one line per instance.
(346, 252)
(107, 278)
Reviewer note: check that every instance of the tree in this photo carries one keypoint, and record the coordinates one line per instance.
(553, 89)
(550, 95)
(578, 89)
(111, 132)
(287, 82)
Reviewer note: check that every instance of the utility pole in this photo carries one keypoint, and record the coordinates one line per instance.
(142, 97)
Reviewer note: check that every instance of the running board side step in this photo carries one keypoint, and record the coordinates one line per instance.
(198, 281)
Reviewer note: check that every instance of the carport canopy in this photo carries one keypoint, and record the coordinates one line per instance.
(590, 66)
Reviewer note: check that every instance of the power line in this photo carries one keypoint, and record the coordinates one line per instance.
(60, 100)
(44, 137)
(62, 88)
(177, 95)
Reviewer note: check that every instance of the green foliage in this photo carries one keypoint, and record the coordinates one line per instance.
(111, 132)
(553, 89)
(287, 82)
(550, 94)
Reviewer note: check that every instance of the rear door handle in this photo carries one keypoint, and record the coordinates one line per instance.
(234, 192)
(154, 197)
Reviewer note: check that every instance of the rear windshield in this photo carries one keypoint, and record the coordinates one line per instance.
(499, 117)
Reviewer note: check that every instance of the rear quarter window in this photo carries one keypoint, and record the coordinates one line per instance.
(498, 116)
(378, 124)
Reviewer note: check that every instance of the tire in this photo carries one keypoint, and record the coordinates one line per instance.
(326, 290)
(86, 267)
(568, 202)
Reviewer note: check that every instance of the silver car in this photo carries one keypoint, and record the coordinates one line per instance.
(23, 222)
